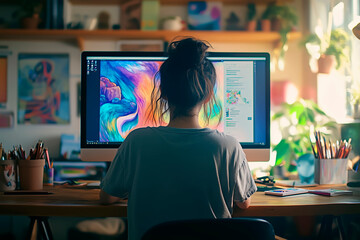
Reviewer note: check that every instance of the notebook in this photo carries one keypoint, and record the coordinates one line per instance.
(286, 192)
(331, 192)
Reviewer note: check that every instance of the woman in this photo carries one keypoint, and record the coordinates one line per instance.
(181, 171)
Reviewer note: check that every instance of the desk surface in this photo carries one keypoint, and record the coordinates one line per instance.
(83, 202)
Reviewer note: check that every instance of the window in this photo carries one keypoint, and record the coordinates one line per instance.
(326, 15)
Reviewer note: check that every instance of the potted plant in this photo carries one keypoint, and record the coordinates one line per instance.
(250, 17)
(296, 123)
(283, 19)
(330, 50)
(265, 20)
(29, 13)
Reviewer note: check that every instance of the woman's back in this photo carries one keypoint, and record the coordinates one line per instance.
(176, 174)
(181, 171)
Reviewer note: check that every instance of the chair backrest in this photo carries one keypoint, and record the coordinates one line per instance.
(229, 228)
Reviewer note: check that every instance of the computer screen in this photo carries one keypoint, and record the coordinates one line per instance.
(116, 89)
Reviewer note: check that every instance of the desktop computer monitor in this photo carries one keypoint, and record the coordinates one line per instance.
(116, 89)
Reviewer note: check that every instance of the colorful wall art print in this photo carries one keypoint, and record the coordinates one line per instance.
(43, 89)
(204, 15)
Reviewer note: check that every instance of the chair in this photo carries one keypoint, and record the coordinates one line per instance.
(199, 229)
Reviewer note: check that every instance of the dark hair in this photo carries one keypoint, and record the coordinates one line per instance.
(187, 78)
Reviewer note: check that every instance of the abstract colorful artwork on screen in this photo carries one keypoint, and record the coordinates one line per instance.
(235, 97)
(125, 92)
(43, 89)
(125, 89)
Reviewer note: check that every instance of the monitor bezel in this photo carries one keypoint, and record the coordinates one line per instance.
(85, 54)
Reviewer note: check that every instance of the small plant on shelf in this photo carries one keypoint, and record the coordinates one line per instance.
(332, 48)
(250, 17)
(29, 13)
(283, 20)
(265, 20)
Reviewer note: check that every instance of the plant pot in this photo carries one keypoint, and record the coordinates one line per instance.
(276, 25)
(326, 63)
(251, 26)
(279, 171)
(266, 25)
(31, 173)
(356, 111)
(30, 22)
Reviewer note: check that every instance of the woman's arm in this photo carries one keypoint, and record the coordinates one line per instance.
(108, 199)
(245, 204)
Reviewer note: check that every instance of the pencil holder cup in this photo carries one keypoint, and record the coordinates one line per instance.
(48, 176)
(331, 171)
(7, 175)
(31, 174)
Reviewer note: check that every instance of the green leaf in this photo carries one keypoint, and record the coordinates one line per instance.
(277, 115)
(331, 124)
(316, 108)
(302, 119)
(292, 168)
(310, 115)
(298, 147)
(283, 150)
(296, 107)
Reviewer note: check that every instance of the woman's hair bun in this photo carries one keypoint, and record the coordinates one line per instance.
(188, 52)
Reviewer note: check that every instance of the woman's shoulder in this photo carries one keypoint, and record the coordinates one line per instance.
(140, 132)
(206, 134)
(225, 137)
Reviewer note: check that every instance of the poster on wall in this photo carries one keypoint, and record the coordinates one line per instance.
(3, 81)
(204, 15)
(43, 89)
(6, 119)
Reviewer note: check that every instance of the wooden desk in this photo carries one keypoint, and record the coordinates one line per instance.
(300, 205)
(81, 202)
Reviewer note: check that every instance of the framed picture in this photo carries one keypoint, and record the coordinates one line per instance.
(204, 15)
(140, 45)
(43, 89)
(3, 81)
(6, 119)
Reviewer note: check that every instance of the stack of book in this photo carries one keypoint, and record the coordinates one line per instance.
(54, 14)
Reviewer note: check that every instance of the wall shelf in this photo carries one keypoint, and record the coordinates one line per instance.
(81, 35)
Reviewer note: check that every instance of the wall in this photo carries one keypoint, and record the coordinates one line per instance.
(27, 135)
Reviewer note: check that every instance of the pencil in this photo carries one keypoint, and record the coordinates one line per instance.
(47, 157)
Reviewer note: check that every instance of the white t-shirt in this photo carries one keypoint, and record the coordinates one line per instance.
(173, 174)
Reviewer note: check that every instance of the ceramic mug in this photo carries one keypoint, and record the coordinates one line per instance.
(7, 175)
